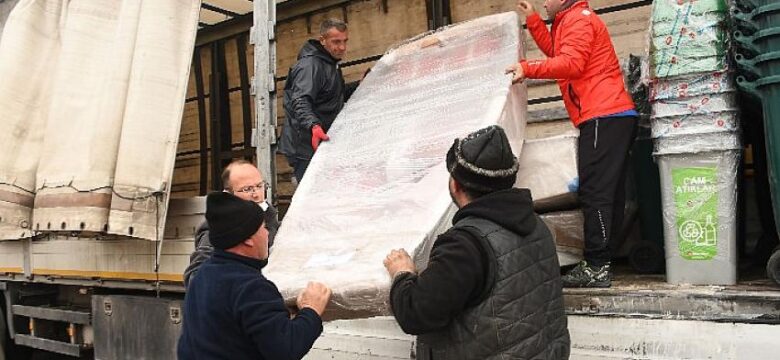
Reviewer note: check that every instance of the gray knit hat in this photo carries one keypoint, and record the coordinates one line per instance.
(483, 160)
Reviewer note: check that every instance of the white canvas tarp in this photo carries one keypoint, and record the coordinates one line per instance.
(380, 183)
(91, 99)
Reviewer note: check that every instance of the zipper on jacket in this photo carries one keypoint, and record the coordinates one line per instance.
(596, 137)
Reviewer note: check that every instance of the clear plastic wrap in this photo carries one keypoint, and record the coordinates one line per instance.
(567, 230)
(692, 85)
(695, 105)
(699, 195)
(726, 121)
(380, 183)
(688, 37)
(671, 10)
(697, 143)
(548, 167)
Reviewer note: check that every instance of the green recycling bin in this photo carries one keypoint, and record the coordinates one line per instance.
(763, 17)
(648, 255)
(768, 89)
(763, 65)
(699, 197)
(754, 4)
(763, 41)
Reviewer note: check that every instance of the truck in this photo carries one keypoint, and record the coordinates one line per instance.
(113, 289)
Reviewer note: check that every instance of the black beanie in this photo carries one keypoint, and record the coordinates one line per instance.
(483, 161)
(231, 219)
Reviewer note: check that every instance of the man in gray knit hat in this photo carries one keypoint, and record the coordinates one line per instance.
(492, 288)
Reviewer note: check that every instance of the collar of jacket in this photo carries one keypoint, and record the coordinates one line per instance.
(578, 5)
(322, 52)
(248, 261)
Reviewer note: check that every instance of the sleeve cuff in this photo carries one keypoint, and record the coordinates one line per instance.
(533, 18)
(399, 276)
(524, 65)
(311, 311)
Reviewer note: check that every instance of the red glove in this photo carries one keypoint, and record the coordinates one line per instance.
(317, 135)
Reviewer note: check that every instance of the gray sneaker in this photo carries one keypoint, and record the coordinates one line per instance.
(584, 275)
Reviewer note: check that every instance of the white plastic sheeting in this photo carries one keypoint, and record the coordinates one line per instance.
(548, 167)
(567, 230)
(90, 107)
(380, 183)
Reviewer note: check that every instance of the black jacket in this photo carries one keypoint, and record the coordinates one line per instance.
(232, 312)
(313, 94)
(454, 303)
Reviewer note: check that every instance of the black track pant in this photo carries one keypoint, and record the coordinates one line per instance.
(602, 164)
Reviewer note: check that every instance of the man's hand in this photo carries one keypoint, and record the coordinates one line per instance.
(315, 296)
(526, 8)
(397, 261)
(517, 70)
(317, 135)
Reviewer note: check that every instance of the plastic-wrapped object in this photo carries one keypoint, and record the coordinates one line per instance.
(693, 143)
(726, 121)
(548, 167)
(688, 36)
(567, 230)
(380, 183)
(680, 10)
(668, 63)
(695, 105)
(706, 27)
(699, 194)
(692, 85)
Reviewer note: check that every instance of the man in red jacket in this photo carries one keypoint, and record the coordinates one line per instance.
(582, 59)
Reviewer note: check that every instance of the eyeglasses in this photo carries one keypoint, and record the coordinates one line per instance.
(252, 189)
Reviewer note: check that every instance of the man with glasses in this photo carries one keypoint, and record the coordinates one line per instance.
(242, 179)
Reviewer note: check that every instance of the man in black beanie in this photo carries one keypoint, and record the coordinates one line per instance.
(231, 311)
(244, 180)
(492, 288)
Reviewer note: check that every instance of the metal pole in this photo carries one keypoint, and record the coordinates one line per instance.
(262, 36)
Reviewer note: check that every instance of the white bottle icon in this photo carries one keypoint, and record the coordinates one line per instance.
(710, 232)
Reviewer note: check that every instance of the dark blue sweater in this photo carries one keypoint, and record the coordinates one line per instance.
(231, 311)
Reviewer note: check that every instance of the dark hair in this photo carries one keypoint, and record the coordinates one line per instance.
(226, 172)
(473, 194)
(328, 24)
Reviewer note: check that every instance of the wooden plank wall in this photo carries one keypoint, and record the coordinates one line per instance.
(375, 25)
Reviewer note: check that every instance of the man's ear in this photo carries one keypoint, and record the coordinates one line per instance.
(456, 186)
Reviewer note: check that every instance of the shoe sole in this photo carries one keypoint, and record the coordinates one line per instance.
(590, 285)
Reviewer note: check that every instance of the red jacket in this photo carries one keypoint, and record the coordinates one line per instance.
(580, 55)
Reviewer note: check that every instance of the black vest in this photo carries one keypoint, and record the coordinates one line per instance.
(520, 315)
